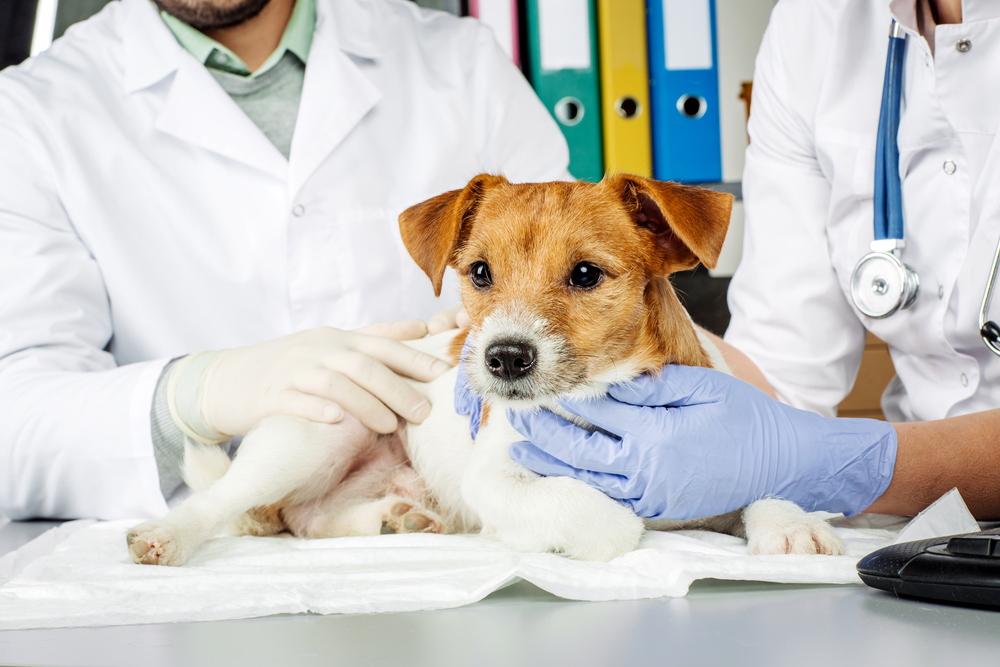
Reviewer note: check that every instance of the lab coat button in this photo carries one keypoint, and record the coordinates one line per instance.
(299, 210)
(949, 167)
(940, 291)
(965, 380)
(963, 45)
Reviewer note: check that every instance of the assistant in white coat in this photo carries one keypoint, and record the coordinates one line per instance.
(808, 188)
(143, 216)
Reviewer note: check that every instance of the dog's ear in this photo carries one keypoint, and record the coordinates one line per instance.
(433, 229)
(689, 223)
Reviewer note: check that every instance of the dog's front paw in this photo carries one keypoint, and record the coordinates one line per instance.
(782, 527)
(568, 517)
(153, 543)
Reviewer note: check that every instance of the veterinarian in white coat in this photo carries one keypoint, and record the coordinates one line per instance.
(808, 188)
(144, 216)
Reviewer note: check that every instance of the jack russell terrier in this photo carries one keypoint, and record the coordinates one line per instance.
(566, 285)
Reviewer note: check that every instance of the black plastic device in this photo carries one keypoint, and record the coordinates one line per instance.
(963, 569)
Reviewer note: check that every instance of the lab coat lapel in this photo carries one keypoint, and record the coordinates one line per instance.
(196, 110)
(336, 95)
(200, 112)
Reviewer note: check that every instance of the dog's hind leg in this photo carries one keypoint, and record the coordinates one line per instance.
(392, 514)
(281, 457)
(383, 495)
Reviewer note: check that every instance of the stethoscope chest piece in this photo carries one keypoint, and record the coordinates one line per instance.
(881, 284)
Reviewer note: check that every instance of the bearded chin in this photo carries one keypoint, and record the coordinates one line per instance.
(202, 15)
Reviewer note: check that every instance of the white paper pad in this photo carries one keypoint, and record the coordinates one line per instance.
(87, 579)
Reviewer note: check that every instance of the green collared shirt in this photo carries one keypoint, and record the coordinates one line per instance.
(297, 38)
(270, 96)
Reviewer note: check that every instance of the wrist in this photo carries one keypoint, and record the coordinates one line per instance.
(186, 397)
(843, 465)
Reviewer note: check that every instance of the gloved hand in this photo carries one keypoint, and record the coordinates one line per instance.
(449, 318)
(316, 374)
(466, 401)
(696, 442)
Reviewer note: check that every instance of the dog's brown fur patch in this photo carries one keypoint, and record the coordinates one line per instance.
(455, 348)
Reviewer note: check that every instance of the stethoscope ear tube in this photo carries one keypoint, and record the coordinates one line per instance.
(889, 197)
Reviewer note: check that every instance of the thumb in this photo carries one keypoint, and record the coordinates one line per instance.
(674, 386)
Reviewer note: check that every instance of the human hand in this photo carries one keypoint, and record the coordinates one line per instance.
(317, 375)
(466, 401)
(696, 442)
(449, 318)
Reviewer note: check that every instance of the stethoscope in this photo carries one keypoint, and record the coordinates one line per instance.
(881, 283)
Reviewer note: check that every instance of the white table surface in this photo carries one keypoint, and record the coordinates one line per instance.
(718, 623)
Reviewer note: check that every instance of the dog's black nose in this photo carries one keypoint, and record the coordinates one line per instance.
(510, 361)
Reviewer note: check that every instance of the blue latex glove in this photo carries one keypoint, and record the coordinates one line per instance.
(466, 402)
(722, 445)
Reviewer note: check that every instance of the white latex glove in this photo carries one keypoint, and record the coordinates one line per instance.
(449, 318)
(317, 375)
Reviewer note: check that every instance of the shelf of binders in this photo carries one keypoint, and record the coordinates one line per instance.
(650, 87)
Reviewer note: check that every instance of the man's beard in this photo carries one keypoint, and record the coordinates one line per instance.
(204, 15)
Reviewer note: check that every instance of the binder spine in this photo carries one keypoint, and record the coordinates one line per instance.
(684, 90)
(625, 86)
(562, 66)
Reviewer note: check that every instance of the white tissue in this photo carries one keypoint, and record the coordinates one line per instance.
(947, 515)
(89, 580)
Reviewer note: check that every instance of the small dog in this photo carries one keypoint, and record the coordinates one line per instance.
(567, 288)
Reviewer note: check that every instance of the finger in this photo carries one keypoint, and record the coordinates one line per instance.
(443, 321)
(605, 413)
(307, 406)
(378, 383)
(569, 443)
(405, 330)
(401, 358)
(543, 463)
(462, 319)
(674, 385)
(354, 399)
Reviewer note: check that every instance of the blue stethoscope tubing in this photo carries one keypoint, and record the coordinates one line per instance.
(888, 187)
(881, 284)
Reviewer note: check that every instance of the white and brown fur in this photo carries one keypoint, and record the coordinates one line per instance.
(322, 480)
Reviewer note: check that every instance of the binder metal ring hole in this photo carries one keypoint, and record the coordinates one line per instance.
(692, 106)
(569, 111)
(628, 107)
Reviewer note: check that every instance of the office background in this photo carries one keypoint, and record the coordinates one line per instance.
(28, 26)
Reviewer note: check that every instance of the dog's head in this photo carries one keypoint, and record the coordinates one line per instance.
(566, 283)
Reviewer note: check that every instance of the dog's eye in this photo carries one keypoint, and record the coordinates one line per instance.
(585, 275)
(480, 275)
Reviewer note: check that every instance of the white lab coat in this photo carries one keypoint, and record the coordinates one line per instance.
(808, 188)
(144, 216)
